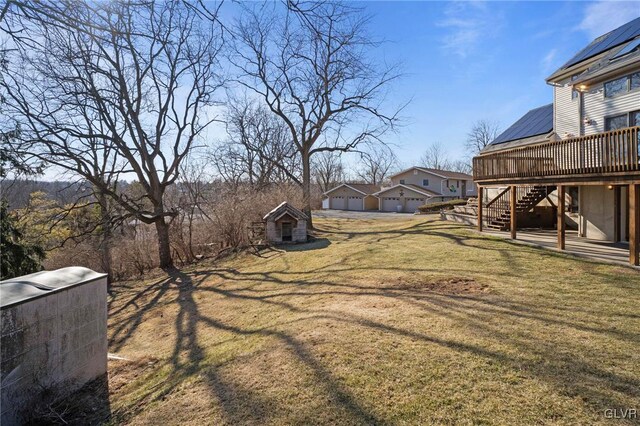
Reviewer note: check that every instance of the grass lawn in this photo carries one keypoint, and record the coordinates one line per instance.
(388, 321)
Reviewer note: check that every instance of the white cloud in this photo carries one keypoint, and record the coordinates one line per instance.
(549, 60)
(604, 16)
(467, 24)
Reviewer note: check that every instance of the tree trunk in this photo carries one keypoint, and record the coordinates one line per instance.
(106, 235)
(164, 248)
(306, 186)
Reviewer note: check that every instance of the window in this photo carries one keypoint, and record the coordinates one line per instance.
(616, 122)
(622, 85)
(614, 87)
(401, 181)
(621, 121)
(457, 184)
(635, 81)
(425, 182)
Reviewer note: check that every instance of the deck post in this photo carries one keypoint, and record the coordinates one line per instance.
(634, 224)
(616, 214)
(561, 223)
(514, 199)
(480, 207)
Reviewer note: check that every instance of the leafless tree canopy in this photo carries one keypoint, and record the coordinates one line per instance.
(309, 63)
(436, 157)
(376, 164)
(481, 134)
(257, 150)
(113, 89)
(328, 170)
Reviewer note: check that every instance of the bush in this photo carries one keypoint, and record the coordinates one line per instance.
(219, 225)
(445, 205)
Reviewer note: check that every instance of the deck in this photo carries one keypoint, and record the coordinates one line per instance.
(610, 157)
(600, 251)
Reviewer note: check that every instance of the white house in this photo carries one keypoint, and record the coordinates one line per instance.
(582, 149)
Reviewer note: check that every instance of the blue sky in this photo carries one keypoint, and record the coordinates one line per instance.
(465, 61)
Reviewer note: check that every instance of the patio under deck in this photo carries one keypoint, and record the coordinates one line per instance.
(600, 251)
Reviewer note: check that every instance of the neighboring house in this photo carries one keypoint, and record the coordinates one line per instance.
(351, 196)
(409, 190)
(418, 186)
(582, 149)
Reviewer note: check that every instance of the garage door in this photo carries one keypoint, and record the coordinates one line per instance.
(354, 203)
(414, 203)
(338, 203)
(389, 204)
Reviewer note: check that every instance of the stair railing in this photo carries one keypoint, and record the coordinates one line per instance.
(497, 206)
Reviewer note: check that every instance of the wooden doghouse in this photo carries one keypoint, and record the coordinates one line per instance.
(286, 224)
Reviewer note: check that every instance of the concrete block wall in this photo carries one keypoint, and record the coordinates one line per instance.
(55, 342)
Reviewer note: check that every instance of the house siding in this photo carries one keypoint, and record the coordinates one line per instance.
(597, 107)
(435, 183)
(566, 117)
(566, 112)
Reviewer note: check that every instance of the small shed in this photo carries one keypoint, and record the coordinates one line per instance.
(286, 224)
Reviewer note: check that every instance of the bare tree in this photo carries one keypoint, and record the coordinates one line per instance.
(481, 134)
(461, 166)
(257, 149)
(376, 164)
(435, 157)
(328, 170)
(310, 65)
(122, 84)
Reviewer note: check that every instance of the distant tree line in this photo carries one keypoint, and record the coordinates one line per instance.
(109, 92)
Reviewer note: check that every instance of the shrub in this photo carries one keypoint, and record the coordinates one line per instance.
(445, 205)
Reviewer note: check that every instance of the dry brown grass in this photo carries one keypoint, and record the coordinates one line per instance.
(413, 321)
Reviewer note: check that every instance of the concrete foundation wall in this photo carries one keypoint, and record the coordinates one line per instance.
(55, 342)
(596, 213)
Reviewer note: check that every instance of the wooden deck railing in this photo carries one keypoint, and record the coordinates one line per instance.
(612, 152)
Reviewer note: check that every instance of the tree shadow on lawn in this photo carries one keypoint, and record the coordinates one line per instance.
(281, 290)
(572, 375)
(239, 403)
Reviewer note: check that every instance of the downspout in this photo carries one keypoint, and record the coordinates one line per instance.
(581, 112)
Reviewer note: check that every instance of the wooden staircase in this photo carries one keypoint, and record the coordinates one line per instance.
(499, 209)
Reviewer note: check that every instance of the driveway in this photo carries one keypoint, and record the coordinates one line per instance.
(347, 214)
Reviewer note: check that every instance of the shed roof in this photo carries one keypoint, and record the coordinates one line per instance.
(285, 208)
(20, 289)
(538, 121)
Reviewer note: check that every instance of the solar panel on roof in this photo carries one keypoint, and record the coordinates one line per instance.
(620, 35)
(538, 121)
(628, 49)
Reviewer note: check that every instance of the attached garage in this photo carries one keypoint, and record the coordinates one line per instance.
(355, 203)
(389, 204)
(338, 202)
(413, 204)
(352, 196)
(408, 197)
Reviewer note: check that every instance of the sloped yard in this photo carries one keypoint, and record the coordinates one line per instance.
(379, 321)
